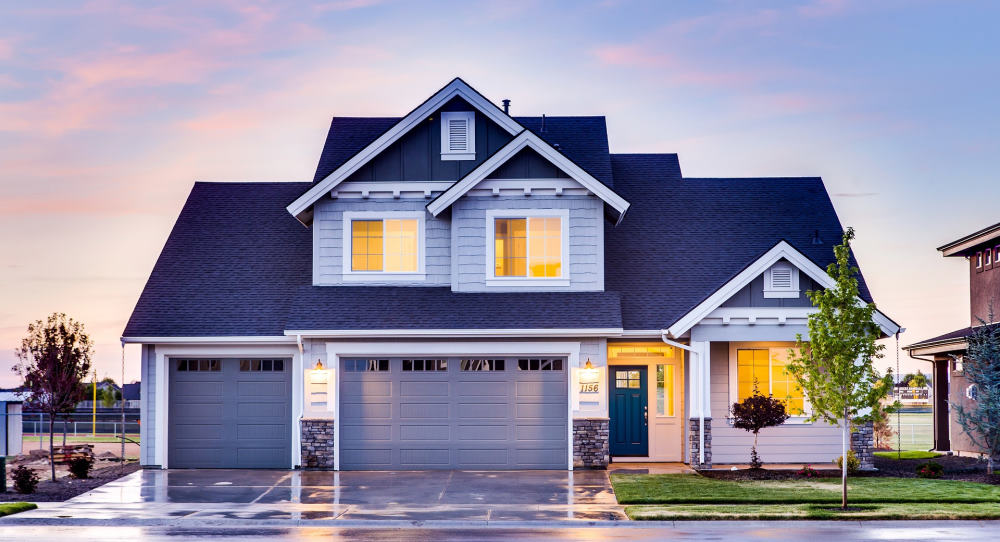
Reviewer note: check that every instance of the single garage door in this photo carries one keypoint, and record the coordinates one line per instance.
(230, 413)
(454, 413)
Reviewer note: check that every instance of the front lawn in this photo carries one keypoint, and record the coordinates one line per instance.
(9, 508)
(909, 454)
(814, 511)
(696, 489)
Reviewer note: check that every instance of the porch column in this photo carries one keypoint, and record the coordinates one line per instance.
(699, 399)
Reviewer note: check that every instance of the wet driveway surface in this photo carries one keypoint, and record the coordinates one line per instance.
(477, 496)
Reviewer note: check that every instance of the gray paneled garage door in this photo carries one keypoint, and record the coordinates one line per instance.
(230, 413)
(454, 413)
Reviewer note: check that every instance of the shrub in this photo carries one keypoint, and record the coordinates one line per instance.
(80, 467)
(755, 413)
(807, 472)
(930, 469)
(853, 463)
(25, 479)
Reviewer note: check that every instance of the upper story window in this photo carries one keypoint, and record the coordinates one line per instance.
(458, 135)
(979, 260)
(528, 246)
(781, 280)
(383, 245)
(988, 257)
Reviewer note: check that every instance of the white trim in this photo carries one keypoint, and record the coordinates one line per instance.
(758, 316)
(570, 349)
(733, 380)
(752, 271)
(445, 333)
(456, 88)
(469, 153)
(651, 333)
(527, 139)
(257, 339)
(958, 345)
(387, 190)
(492, 280)
(772, 291)
(347, 274)
(163, 353)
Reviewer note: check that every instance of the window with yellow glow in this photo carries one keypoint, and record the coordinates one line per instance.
(665, 390)
(388, 245)
(767, 367)
(528, 247)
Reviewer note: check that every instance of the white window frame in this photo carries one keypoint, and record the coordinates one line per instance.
(979, 260)
(771, 292)
(494, 281)
(382, 276)
(734, 381)
(470, 125)
(988, 257)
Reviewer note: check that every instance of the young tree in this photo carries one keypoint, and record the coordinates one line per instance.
(54, 359)
(981, 417)
(918, 380)
(755, 413)
(835, 367)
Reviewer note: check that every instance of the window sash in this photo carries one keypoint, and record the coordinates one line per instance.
(385, 245)
(664, 389)
(768, 367)
(528, 247)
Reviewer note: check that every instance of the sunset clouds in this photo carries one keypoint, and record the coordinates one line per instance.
(110, 110)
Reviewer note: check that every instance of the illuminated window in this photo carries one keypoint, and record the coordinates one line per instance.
(528, 247)
(767, 367)
(389, 245)
(665, 390)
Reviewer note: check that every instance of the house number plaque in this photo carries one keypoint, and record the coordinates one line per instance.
(589, 387)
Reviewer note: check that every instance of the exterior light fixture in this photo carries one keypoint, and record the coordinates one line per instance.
(319, 365)
(589, 381)
(588, 365)
(317, 375)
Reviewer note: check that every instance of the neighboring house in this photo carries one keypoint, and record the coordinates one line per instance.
(11, 418)
(981, 250)
(131, 393)
(460, 288)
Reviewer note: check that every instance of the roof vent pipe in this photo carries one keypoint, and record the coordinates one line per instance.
(506, 105)
(543, 123)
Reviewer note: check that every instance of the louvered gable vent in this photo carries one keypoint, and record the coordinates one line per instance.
(458, 135)
(781, 280)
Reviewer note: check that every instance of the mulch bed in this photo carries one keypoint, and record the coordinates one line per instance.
(968, 469)
(67, 488)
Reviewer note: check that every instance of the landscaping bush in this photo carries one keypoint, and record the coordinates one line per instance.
(853, 463)
(930, 469)
(25, 479)
(80, 467)
(807, 472)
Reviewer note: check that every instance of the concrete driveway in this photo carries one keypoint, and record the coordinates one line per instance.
(171, 497)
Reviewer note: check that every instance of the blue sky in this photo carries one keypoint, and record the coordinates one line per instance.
(109, 111)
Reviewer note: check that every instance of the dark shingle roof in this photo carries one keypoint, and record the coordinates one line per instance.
(951, 336)
(375, 307)
(682, 239)
(584, 140)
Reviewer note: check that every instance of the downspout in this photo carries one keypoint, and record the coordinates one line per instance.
(701, 393)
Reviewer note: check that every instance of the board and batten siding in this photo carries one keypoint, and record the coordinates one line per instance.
(328, 242)
(586, 241)
(147, 405)
(752, 295)
(815, 443)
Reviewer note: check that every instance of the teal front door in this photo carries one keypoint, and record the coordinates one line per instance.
(629, 411)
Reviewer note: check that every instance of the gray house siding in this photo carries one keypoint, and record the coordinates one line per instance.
(790, 443)
(147, 405)
(328, 229)
(752, 295)
(417, 155)
(528, 164)
(586, 240)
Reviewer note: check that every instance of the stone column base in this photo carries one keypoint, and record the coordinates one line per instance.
(317, 444)
(694, 443)
(590, 443)
(863, 444)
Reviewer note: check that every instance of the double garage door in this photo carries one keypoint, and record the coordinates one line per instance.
(230, 413)
(453, 413)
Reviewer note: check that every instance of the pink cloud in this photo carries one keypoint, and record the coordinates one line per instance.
(346, 5)
(6, 49)
(671, 69)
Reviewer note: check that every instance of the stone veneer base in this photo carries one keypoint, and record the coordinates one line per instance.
(317, 444)
(694, 459)
(590, 443)
(863, 444)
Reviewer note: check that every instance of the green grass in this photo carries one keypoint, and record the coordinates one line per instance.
(814, 511)
(696, 489)
(909, 454)
(9, 508)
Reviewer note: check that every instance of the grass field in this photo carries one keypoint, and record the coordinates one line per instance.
(917, 430)
(80, 439)
(911, 454)
(814, 511)
(695, 489)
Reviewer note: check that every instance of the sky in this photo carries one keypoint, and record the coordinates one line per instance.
(109, 111)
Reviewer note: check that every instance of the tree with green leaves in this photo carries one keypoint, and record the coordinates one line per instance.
(836, 366)
(980, 417)
(53, 361)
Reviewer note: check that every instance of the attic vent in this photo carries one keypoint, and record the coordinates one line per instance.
(458, 135)
(781, 280)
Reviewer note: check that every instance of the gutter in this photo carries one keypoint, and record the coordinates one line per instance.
(701, 392)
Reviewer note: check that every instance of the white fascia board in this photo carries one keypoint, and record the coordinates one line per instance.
(457, 88)
(938, 348)
(450, 333)
(527, 139)
(755, 269)
(262, 339)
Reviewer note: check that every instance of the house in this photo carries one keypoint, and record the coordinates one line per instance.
(11, 420)
(131, 394)
(980, 250)
(463, 288)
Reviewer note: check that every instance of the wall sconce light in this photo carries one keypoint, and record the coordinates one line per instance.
(589, 365)
(317, 375)
(319, 365)
(589, 378)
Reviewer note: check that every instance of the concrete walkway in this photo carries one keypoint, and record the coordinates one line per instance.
(177, 497)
